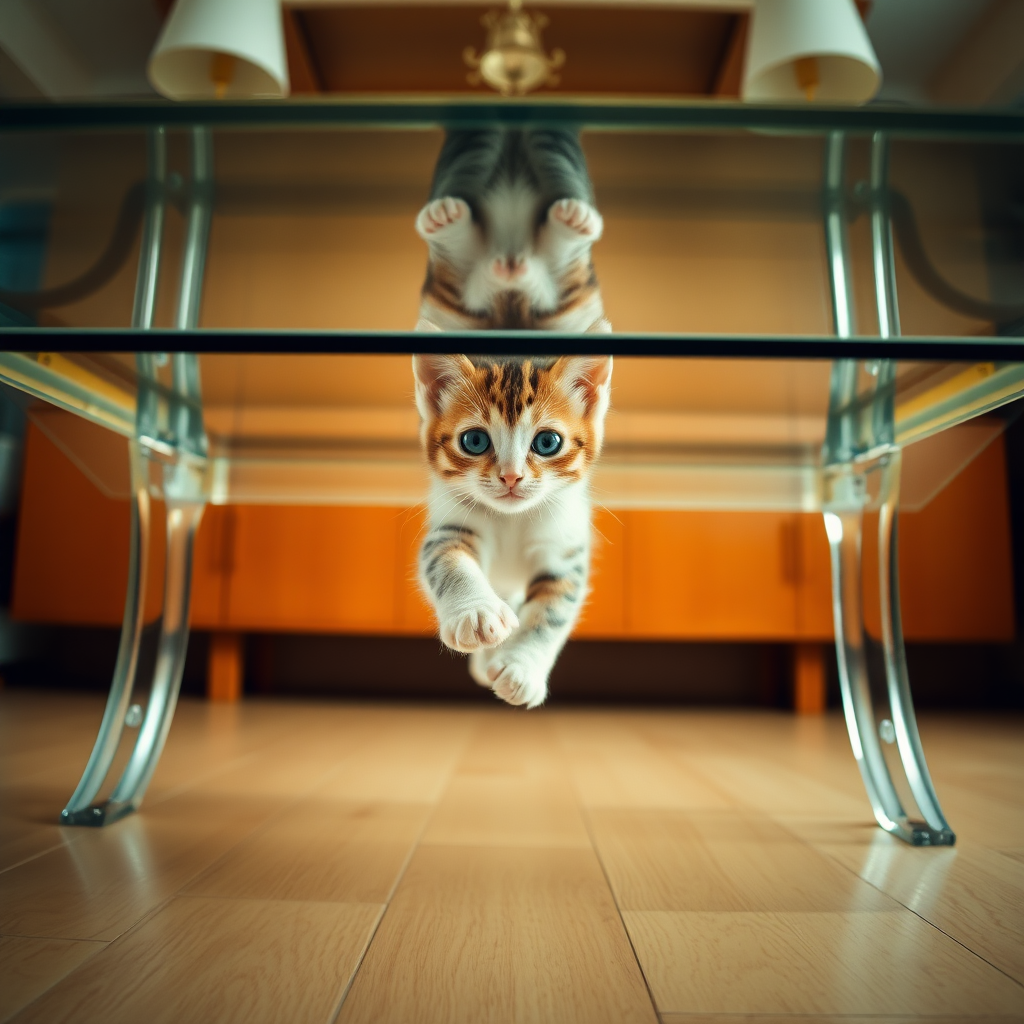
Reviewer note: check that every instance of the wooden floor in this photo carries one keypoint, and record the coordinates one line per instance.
(317, 862)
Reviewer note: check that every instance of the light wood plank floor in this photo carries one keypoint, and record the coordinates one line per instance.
(394, 863)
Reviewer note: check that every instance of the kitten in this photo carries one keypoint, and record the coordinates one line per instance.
(509, 226)
(510, 443)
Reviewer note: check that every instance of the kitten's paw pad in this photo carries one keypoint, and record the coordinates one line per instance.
(487, 625)
(578, 217)
(517, 681)
(440, 214)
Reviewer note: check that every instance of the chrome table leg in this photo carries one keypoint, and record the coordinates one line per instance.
(861, 467)
(169, 430)
(78, 810)
(901, 703)
(874, 719)
(197, 230)
(845, 535)
(183, 487)
(148, 277)
(182, 521)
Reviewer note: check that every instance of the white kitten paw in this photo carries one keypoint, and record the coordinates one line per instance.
(487, 624)
(577, 217)
(442, 214)
(517, 680)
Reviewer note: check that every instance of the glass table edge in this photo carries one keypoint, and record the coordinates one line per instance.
(592, 113)
(526, 343)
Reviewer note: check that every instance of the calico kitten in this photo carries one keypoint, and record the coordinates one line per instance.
(510, 443)
(509, 226)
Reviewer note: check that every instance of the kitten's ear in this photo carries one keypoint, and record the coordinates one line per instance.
(433, 375)
(590, 377)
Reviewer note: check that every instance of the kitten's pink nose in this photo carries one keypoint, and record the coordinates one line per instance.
(511, 479)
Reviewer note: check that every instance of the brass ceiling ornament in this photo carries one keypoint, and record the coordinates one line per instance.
(514, 62)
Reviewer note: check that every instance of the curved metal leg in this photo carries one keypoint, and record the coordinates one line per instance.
(848, 496)
(182, 521)
(169, 429)
(836, 241)
(901, 703)
(78, 810)
(197, 231)
(844, 530)
(860, 449)
(882, 257)
(152, 231)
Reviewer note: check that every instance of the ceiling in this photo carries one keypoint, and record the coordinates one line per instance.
(617, 50)
(959, 52)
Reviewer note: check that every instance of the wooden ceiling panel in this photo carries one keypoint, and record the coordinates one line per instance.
(652, 51)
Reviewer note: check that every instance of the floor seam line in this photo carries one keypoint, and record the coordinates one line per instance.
(921, 917)
(618, 910)
(35, 856)
(358, 965)
(585, 815)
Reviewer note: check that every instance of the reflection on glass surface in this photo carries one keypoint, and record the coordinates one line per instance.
(706, 231)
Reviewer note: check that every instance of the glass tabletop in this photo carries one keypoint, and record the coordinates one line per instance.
(714, 267)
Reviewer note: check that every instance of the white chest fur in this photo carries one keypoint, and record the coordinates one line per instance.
(514, 548)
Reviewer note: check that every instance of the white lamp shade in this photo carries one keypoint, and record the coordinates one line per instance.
(784, 32)
(188, 57)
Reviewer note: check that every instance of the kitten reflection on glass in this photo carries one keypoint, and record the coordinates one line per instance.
(510, 441)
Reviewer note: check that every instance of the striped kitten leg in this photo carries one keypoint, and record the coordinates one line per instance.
(518, 670)
(470, 615)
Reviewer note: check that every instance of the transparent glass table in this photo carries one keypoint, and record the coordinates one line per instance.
(815, 310)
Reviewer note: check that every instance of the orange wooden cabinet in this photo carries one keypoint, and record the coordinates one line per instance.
(657, 574)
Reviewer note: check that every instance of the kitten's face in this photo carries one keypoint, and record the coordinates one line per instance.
(511, 433)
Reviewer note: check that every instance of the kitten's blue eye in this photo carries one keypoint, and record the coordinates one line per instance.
(474, 442)
(547, 442)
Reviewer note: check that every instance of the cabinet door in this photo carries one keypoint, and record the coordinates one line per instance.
(710, 575)
(314, 568)
(71, 564)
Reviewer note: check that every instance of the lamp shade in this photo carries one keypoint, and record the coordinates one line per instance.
(809, 50)
(231, 49)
